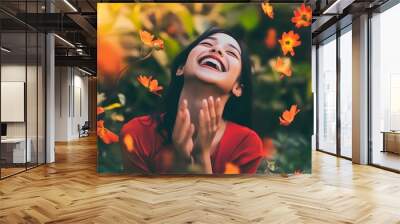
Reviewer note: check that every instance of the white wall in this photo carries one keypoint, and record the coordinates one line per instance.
(71, 102)
(14, 73)
(81, 104)
(61, 103)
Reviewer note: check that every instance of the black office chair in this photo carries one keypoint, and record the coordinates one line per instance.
(84, 130)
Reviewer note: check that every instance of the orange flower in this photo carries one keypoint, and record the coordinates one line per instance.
(231, 168)
(148, 39)
(302, 16)
(270, 38)
(282, 66)
(117, 117)
(268, 9)
(289, 41)
(288, 116)
(128, 141)
(106, 135)
(269, 148)
(100, 110)
(110, 56)
(158, 44)
(113, 106)
(150, 83)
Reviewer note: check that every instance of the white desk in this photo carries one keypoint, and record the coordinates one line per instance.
(18, 149)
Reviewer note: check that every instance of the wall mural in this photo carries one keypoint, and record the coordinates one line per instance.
(204, 88)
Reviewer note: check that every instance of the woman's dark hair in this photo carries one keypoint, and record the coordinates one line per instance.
(237, 109)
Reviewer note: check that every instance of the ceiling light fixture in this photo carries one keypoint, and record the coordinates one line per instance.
(64, 40)
(337, 7)
(70, 5)
(84, 71)
(5, 50)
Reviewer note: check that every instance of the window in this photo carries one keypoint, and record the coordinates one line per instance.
(346, 92)
(327, 96)
(385, 89)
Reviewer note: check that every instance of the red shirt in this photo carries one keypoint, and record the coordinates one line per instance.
(143, 150)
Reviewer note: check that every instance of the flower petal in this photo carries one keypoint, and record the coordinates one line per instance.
(146, 37)
(231, 168)
(128, 141)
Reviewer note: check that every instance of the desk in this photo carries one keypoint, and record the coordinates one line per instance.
(13, 150)
(391, 141)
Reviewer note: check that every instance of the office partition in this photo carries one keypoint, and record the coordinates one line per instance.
(22, 77)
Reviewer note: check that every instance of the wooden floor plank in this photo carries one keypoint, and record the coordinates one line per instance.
(70, 191)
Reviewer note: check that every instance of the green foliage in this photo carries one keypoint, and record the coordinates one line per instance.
(173, 48)
(249, 18)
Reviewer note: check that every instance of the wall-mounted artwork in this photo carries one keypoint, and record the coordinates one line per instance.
(204, 88)
(12, 101)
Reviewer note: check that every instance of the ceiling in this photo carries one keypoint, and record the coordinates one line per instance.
(76, 22)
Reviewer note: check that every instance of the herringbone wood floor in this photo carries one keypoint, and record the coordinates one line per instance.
(70, 191)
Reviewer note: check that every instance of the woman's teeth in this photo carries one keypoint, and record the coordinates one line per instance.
(212, 62)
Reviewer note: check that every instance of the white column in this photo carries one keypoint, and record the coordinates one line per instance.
(50, 92)
(360, 90)
(314, 91)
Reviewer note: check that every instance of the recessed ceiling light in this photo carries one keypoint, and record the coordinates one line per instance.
(70, 5)
(5, 50)
(64, 40)
(337, 7)
(84, 71)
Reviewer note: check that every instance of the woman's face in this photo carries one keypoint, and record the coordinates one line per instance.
(215, 60)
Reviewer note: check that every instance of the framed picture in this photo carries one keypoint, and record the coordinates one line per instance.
(204, 88)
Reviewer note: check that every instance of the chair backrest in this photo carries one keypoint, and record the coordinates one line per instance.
(86, 125)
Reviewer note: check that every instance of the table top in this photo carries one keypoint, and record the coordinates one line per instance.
(391, 132)
(13, 140)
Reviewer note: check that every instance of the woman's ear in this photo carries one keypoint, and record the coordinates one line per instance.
(179, 72)
(237, 89)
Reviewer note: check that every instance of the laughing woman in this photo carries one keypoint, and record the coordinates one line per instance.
(206, 117)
